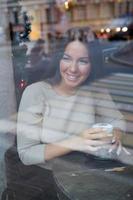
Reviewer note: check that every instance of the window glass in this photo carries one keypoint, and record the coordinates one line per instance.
(66, 99)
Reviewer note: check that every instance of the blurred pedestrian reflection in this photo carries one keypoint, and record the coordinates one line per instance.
(85, 32)
(38, 53)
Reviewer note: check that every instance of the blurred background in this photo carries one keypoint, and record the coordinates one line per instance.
(49, 19)
(31, 30)
(24, 22)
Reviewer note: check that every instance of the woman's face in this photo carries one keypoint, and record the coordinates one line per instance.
(74, 65)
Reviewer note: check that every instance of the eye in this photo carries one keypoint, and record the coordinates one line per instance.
(83, 62)
(66, 58)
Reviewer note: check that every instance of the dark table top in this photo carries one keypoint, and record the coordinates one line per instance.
(81, 177)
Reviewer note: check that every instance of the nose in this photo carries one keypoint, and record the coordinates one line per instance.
(73, 67)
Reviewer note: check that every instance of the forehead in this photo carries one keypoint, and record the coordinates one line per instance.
(77, 47)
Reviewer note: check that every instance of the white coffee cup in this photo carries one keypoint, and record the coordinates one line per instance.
(103, 153)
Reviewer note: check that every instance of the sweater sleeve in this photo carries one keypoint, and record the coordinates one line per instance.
(29, 125)
(107, 111)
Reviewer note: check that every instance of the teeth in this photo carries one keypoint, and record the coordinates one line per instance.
(72, 77)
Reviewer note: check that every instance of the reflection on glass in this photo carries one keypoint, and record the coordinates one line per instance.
(31, 38)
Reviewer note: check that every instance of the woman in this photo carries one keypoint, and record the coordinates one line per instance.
(56, 117)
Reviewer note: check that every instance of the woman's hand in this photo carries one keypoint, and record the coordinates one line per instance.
(92, 140)
(116, 141)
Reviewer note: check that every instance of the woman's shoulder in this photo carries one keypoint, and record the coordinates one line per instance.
(93, 90)
(38, 87)
(100, 92)
(95, 87)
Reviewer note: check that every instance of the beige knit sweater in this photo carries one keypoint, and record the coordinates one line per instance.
(47, 117)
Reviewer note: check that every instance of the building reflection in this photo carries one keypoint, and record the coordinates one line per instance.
(51, 18)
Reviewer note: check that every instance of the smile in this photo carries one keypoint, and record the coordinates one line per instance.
(72, 77)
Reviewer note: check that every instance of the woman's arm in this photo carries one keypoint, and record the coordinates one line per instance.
(29, 128)
(88, 141)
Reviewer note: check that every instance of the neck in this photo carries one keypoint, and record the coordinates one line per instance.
(64, 90)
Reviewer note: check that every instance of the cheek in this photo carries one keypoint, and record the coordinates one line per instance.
(63, 67)
(86, 71)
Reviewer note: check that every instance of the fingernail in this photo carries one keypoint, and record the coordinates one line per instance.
(113, 140)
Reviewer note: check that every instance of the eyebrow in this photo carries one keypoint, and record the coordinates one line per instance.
(65, 54)
(86, 57)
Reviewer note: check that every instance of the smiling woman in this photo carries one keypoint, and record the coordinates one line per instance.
(56, 116)
(74, 66)
(93, 50)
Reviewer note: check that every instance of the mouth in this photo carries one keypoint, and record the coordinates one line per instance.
(72, 77)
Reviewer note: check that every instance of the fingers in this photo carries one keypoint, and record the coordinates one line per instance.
(95, 133)
(84, 145)
(116, 146)
(116, 143)
(96, 143)
(117, 133)
(96, 139)
(90, 149)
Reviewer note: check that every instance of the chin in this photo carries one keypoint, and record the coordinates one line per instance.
(73, 84)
